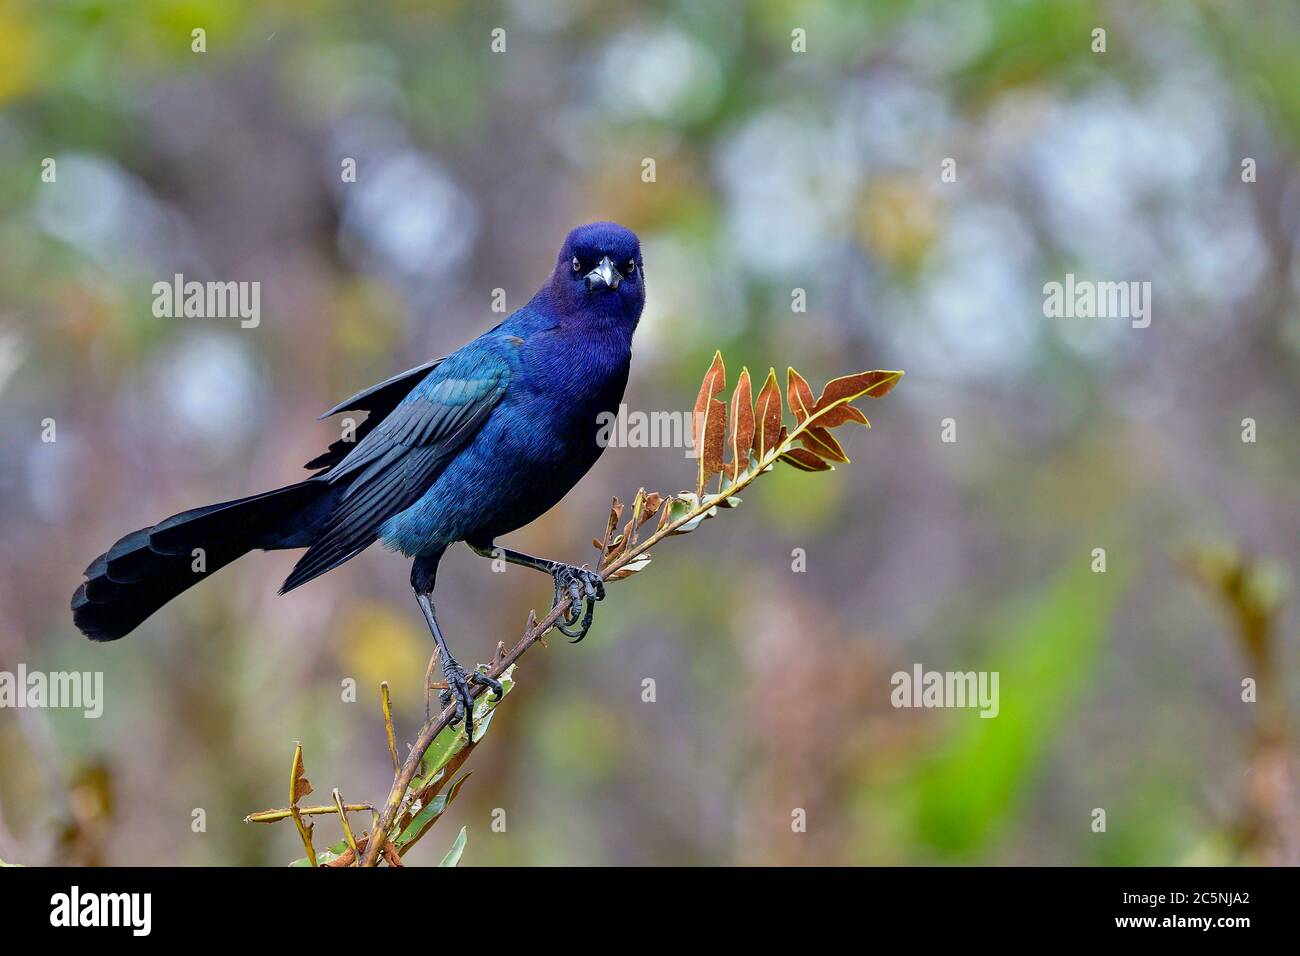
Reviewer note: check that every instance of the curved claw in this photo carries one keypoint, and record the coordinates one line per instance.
(491, 682)
(583, 586)
(582, 628)
(458, 687)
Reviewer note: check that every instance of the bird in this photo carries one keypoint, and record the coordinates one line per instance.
(464, 448)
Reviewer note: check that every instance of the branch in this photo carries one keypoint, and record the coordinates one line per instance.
(429, 732)
(274, 816)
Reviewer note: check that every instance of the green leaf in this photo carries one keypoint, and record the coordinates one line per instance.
(324, 856)
(428, 813)
(451, 739)
(457, 848)
(683, 505)
(1046, 653)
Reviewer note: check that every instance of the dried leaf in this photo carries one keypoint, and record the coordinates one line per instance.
(708, 425)
(768, 414)
(805, 460)
(799, 395)
(299, 785)
(631, 568)
(609, 544)
(740, 425)
(822, 443)
(650, 508)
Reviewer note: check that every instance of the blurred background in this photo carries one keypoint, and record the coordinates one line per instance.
(775, 170)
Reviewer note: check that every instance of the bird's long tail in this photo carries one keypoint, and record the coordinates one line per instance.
(149, 567)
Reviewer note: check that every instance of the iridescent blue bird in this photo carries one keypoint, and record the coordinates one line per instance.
(463, 448)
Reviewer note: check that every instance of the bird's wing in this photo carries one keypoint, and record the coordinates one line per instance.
(392, 467)
(379, 400)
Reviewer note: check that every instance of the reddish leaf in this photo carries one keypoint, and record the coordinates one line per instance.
(799, 395)
(805, 460)
(741, 425)
(709, 424)
(840, 415)
(821, 442)
(848, 388)
(768, 414)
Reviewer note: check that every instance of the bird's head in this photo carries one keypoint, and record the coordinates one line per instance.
(599, 273)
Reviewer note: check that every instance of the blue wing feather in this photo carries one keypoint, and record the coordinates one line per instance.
(400, 456)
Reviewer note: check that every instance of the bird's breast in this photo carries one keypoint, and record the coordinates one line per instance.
(572, 377)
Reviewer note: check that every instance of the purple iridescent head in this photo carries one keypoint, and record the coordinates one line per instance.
(599, 273)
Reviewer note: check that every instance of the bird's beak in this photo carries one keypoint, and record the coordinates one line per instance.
(604, 276)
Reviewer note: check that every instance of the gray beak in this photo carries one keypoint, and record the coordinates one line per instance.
(604, 275)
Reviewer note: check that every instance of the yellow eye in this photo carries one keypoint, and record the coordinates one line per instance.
(577, 266)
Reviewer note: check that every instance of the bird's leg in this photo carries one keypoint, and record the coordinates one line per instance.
(458, 679)
(578, 583)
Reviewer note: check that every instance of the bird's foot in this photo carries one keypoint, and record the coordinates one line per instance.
(580, 584)
(458, 681)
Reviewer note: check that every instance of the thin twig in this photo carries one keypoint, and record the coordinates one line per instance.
(387, 701)
(275, 816)
(343, 819)
(428, 687)
(304, 829)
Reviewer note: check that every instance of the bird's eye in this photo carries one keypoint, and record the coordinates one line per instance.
(577, 266)
(631, 266)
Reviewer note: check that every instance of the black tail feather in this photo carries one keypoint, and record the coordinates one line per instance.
(147, 568)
